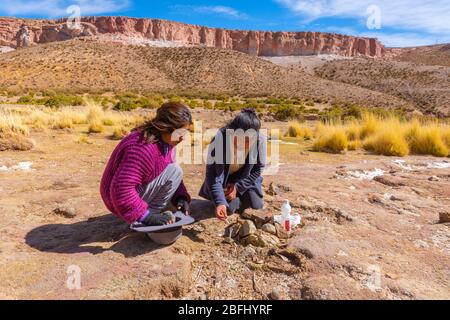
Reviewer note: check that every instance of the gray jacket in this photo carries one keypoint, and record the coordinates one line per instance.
(246, 178)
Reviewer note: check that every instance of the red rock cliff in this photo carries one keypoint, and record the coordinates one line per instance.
(21, 32)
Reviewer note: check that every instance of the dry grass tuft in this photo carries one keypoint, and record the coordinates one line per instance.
(389, 140)
(331, 139)
(11, 124)
(120, 132)
(296, 130)
(386, 136)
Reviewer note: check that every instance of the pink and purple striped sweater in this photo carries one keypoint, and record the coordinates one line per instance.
(134, 164)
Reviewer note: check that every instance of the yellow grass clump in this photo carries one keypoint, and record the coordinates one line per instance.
(427, 139)
(296, 130)
(62, 122)
(369, 125)
(331, 139)
(353, 131)
(389, 140)
(355, 145)
(11, 124)
(446, 136)
(119, 133)
(96, 126)
(386, 136)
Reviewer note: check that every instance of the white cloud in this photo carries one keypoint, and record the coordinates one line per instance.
(220, 10)
(57, 8)
(431, 16)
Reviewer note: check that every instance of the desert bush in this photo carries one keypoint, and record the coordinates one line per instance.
(310, 103)
(11, 124)
(76, 116)
(428, 139)
(296, 130)
(119, 133)
(62, 123)
(84, 139)
(61, 100)
(207, 104)
(13, 133)
(331, 139)
(446, 135)
(95, 126)
(355, 145)
(388, 140)
(286, 112)
(353, 131)
(369, 125)
(26, 99)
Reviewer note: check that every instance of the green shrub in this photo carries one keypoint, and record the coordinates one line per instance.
(27, 99)
(286, 112)
(60, 100)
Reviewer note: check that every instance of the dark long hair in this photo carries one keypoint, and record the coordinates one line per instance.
(245, 120)
(169, 117)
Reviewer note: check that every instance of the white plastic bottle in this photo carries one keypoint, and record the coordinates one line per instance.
(286, 215)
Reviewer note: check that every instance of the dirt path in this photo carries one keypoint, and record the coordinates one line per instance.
(362, 238)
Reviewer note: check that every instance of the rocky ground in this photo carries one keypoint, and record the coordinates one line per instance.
(364, 235)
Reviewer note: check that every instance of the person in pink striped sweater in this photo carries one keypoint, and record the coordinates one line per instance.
(141, 178)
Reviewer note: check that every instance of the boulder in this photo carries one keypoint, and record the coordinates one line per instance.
(444, 217)
(259, 217)
(247, 229)
(261, 240)
(269, 228)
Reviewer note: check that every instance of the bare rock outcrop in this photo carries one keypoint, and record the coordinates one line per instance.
(22, 32)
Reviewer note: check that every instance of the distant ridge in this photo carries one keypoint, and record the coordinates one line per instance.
(16, 33)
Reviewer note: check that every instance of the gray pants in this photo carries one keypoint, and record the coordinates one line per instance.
(160, 191)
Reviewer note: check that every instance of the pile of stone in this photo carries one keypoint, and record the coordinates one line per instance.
(257, 228)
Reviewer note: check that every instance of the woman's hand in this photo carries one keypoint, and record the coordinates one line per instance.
(183, 206)
(221, 212)
(231, 192)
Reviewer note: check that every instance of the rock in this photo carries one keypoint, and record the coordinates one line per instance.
(275, 294)
(444, 217)
(375, 199)
(285, 188)
(270, 228)
(261, 240)
(66, 212)
(17, 32)
(273, 189)
(390, 181)
(268, 240)
(396, 198)
(249, 251)
(232, 231)
(248, 228)
(433, 178)
(259, 217)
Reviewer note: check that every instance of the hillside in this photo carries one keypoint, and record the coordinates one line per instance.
(438, 55)
(420, 76)
(79, 66)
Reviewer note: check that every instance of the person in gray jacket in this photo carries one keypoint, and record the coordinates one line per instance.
(236, 159)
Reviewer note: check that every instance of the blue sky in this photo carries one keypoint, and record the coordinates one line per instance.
(394, 22)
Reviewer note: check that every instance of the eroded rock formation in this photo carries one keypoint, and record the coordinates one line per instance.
(21, 32)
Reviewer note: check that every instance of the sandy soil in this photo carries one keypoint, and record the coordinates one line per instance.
(362, 238)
